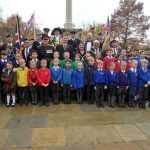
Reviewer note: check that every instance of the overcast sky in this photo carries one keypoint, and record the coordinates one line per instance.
(51, 13)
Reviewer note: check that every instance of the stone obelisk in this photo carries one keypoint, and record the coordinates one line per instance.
(68, 24)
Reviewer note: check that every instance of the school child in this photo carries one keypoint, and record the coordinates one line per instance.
(55, 56)
(16, 59)
(89, 69)
(56, 73)
(78, 82)
(44, 77)
(108, 59)
(66, 56)
(33, 82)
(100, 80)
(3, 60)
(122, 79)
(144, 82)
(133, 79)
(111, 82)
(9, 79)
(76, 61)
(34, 57)
(67, 78)
(22, 82)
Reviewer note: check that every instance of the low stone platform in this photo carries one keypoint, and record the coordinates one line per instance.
(74, 127)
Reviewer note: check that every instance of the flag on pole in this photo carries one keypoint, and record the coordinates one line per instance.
(18, 36)
(31, 22)
(107, 33)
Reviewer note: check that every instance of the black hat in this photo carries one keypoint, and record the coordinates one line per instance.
(45, 36)
(57, 29)
(73, 32)
(9, 35)
(46, 29)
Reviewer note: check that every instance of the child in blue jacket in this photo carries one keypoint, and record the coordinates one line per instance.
(122, 84)
(144, 83)
(66, 81)
(89, 69)
(56, 76)
(100, 80)
(78, 82)
(111, 83)
(133, 79)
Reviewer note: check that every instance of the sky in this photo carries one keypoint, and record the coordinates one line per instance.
(51, 13)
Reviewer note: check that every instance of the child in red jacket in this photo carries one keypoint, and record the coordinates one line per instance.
(33, 81)
(44, 77)
(108, 59)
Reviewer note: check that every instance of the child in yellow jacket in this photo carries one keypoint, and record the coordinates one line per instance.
(22, 82)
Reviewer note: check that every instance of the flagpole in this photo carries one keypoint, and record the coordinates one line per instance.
(34, 34)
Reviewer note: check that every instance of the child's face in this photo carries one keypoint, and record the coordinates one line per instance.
(66, 56)
(79, 67)
(123, 67)
(56, 55)
(9, 66)
(109, 53)
(134, 65)
(88, 56)
(22, 63)
(56, 62)
(43, 64)
(112, 67)
(34, 55)
(100, 66)
(144, 64)
(68, 64)
(91, 62)
(32, 65)
(4, 56)
(77, 58)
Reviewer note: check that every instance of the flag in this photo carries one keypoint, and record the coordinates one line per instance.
(107, 27)
(18, 36)
(107, 33)
(30, 23)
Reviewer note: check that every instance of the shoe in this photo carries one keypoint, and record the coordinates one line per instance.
(41, 104)
(47, 104)
(7, 105)
(13, 105)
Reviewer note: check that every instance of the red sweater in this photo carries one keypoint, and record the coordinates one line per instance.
(32, 77)
(44, 76)
(107, 61)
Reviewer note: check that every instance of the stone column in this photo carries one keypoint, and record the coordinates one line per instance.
(68, 24)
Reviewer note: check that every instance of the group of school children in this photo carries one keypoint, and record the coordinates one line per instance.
(92, 80)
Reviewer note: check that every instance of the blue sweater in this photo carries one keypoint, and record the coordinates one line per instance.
(144, 77)
(67, 76)
(78, 79)
(133, 77)
(111, 78)
(122, 78)
(56, 74)
(100, 77)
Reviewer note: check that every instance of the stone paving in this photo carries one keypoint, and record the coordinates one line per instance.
(74, 127)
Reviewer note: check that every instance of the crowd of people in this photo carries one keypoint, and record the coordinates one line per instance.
(61, 68)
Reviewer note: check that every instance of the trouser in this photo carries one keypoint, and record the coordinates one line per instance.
(90, 94)
(67, 93)
(56, 90)
(99, 94)
(22, 95)
(143, 96)
(122, 91)
(112, 95)
(34, 94)
(79, 95)
(44, 94)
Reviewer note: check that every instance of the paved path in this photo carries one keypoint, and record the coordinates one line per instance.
(74, 127)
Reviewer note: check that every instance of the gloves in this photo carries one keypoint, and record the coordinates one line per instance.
(11, 87)
(6, 80)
